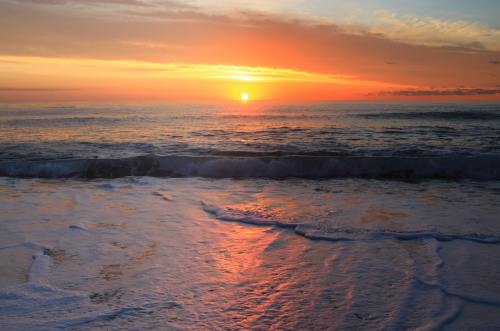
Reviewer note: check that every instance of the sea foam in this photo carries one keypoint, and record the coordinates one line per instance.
(316, 232)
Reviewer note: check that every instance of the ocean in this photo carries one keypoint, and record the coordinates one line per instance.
(197, 216)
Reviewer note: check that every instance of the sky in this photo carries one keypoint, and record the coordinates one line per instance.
(148, 50)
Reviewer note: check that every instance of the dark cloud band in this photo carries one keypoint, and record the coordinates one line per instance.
(441, 92)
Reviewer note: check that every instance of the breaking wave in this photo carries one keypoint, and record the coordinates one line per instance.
(403, 168)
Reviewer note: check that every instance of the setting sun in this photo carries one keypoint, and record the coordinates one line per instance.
(244, 96)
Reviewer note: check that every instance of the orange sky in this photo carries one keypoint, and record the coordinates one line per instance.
(55, 50)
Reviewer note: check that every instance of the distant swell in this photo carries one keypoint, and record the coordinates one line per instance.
(403, 168)
(436, 115)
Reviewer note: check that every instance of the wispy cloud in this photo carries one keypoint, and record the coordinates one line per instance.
(412, 29)
(36, 89)
(432, 31)
(114, 7)
(92, 67)
(86, 2)
(151, 45)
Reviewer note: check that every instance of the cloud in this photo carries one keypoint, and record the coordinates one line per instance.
(173, 34)
(36, 89)
(441, 92)
(86, 2)
(151, 45)
(91, 4)
(435, 32)
(43, 66)
(177, 14)
(410, 29)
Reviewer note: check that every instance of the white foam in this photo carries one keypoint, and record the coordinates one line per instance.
(40, 268)
(315, 232)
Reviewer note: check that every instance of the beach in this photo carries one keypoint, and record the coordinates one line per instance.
(149, 253)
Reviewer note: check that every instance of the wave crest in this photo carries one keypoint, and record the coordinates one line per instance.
(403, 168)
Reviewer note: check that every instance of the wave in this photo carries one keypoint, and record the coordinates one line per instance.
(314, 232)
(432, 115)
(402, 168)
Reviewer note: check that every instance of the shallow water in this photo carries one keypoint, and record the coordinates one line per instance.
(142, 252)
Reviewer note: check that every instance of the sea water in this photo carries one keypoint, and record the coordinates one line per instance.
(258, 216)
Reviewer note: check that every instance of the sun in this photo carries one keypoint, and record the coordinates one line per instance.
(244, 97)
